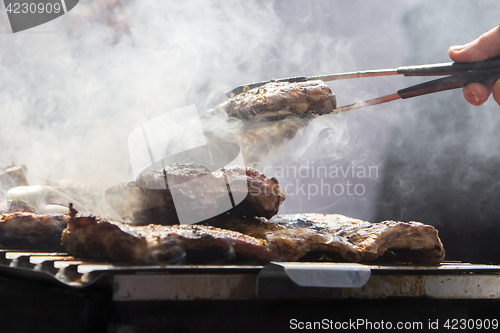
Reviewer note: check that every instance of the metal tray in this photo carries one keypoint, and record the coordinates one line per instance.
(450, 280)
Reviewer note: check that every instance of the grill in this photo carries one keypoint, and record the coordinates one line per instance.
(84, 296)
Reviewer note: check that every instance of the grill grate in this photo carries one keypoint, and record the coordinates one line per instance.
(239, 282)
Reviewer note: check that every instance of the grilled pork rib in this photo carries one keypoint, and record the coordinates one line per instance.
(298, 98)
(102, 239)
(149, 199)
(340, 238)
(304, 237)
(24, 230)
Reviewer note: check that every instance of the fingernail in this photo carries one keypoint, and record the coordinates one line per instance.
(458, 48)
(474, 96)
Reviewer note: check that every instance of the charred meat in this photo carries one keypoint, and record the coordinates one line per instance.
(340, 238)
(275, 98)
(24, 230)
(102, 239)
(150, 199)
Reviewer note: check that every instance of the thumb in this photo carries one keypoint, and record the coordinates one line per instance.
(484, 47)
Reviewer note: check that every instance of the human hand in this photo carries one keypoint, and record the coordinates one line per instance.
(484, 47)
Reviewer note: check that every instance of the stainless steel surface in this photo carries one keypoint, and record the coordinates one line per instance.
(449, 281)
(356, 75)
(446, 281)
(327, 77)
(240, 282)
(375, 101)
(327, 275)
(153, 287)
(441, 286)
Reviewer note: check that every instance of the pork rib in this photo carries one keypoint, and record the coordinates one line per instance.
(298, 98)
(149, 199)
(103, 239)
(339, 238)
(24, 230)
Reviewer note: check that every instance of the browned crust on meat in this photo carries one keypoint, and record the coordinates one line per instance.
(264, 195)
(24, 230)
(416, 237)
(149, 200)
(296, 236)
(298, 98)
(101, 239)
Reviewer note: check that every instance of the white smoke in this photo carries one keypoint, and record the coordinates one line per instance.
(72, 90)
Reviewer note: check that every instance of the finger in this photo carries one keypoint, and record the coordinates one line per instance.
(496, 91)
(484, 47)
(476, 93)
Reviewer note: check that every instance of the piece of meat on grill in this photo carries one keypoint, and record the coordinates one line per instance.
(412, 242)
(101, 239)
(150, 200)
(282, 98)
(24, 230)
(294, 238)
(334, 237)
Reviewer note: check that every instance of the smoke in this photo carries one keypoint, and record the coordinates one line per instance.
(72, 90)
(442, 166)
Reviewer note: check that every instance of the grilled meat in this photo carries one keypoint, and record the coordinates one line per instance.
(102, 239)
(264, 195)
(412, 242)
(340, 238)
(23, 230)
(150, 200)
(229, 239)
(275, 98)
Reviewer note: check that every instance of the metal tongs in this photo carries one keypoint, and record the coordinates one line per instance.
(459, 75)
